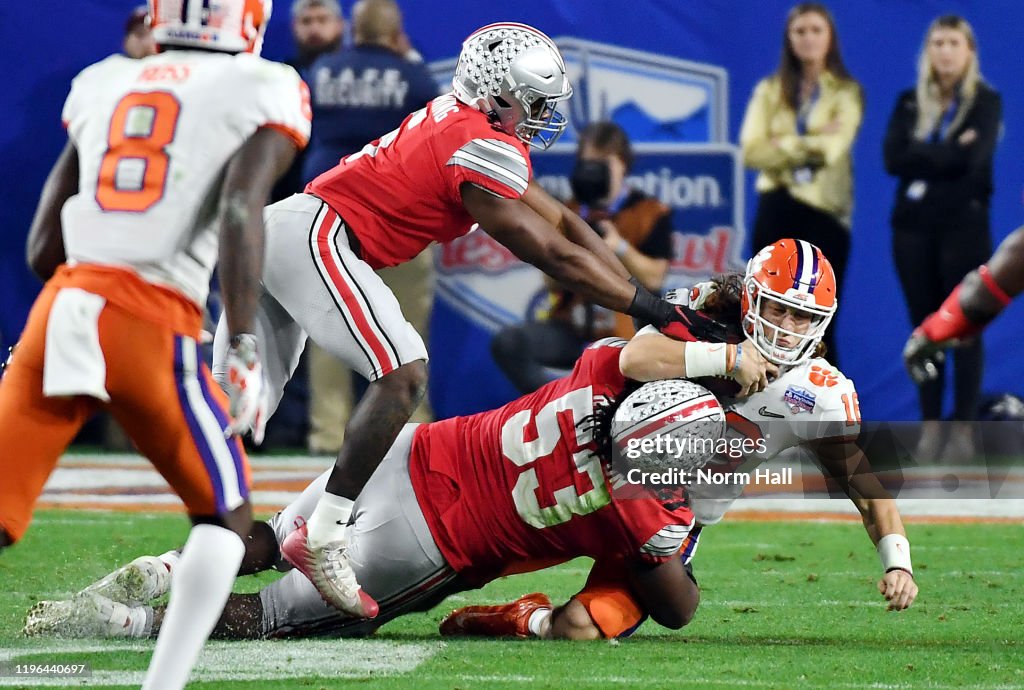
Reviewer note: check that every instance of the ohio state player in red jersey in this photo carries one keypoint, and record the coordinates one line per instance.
(454, 504)
(462, 159)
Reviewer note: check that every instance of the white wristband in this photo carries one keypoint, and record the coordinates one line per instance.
(894, 550)
(706, 359)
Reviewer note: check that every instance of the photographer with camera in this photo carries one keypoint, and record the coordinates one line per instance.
(637, 227)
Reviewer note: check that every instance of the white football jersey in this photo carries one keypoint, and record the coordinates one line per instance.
(153, 137)
(812, 401)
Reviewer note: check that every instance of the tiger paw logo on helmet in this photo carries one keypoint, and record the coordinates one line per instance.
(796, 276)
(822, 377)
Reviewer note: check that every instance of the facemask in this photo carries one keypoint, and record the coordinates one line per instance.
(590, 181)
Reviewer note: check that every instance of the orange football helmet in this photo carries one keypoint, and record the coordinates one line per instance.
(796, 275)
(232, 26)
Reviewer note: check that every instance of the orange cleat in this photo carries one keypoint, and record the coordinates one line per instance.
(504, 620)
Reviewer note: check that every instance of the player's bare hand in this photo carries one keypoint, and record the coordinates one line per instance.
(752, 371)
(899, 589)
(246, 389)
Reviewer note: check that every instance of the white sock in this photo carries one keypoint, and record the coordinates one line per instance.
(170, 559)
(327, 523)
(540, 623)
(200, 586)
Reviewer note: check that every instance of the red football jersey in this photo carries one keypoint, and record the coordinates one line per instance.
(401, 192)
(522, 483)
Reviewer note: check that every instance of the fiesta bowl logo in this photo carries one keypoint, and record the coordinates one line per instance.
(675, 113)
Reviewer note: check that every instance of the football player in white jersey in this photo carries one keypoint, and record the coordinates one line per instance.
(787, 299)
(169, 162)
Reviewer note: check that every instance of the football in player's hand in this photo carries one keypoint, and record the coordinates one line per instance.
(723, 388)
(672, 424)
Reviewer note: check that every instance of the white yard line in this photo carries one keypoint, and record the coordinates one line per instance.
(239, 661)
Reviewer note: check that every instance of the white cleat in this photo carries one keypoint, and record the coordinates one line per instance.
(330, 572)
(86, 615)
(137, 583)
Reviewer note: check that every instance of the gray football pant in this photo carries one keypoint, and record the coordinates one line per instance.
(391, 550)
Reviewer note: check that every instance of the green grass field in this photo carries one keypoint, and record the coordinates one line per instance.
(784, 605)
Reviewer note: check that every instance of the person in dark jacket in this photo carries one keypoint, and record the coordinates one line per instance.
(940, 143)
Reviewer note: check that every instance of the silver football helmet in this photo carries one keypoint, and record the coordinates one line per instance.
(516, 75)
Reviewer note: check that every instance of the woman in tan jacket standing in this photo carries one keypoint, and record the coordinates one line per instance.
(798, 129)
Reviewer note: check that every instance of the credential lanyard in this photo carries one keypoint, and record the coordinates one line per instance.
(805, 109)
(940, 132)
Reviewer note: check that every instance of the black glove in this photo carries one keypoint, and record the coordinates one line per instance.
(676, 320)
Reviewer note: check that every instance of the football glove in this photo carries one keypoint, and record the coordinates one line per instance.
(923, 356)
(246, 388)
(690, 325)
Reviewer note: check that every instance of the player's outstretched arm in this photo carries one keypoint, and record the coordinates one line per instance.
(985, 292)
(45, 247)
(533, 239)
(847, 464)
(574, 228)
(653, 356)
(972, 305)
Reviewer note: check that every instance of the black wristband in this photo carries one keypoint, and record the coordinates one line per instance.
(647, 307)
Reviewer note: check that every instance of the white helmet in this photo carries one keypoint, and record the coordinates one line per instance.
(676, 409)
(516, 75)
(232, 26)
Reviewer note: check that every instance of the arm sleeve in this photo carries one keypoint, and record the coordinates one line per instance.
(907, 157)
(756, 137)
(837, 415)
(895, 148)
(493, 164)
(599, 363)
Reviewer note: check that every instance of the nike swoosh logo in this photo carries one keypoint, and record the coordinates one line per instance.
(765, 413)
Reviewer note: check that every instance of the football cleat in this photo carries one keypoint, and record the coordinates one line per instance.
(328, 569)
(137, 583)
(503, 620)
(85, 615)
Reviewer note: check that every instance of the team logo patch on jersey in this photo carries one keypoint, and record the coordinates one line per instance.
(799, 399)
